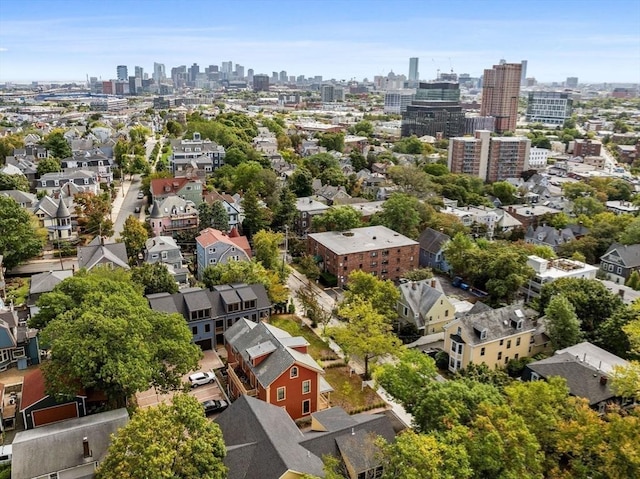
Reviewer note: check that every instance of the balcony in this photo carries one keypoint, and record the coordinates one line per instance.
(323, 402)
(239, 380)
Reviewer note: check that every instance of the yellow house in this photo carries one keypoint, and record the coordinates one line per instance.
(424, 304)
(493, 336)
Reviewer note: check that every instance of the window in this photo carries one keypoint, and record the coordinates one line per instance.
(306, 406)
(194, 329)
(306, 386)
(280, 394)
(293, 372)
(518, 342)
(207, 328)
(446, 313)
(405, 311)
(482, 352)
(499, 355)
(619, 271)
(508, 344)
(501, 342)
(506, 359)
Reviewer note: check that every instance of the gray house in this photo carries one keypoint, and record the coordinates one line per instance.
(163, 249)
(209, 313)
(620, 261)
(431, 254)
(79, 444)
(100, 253)
(216, 247)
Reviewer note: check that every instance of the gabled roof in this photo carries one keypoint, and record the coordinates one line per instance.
(582, 379)
(45, 282)
(629, 254)
(32, 449)
(96, 252)
(249, 339)
(161, 243)
(420, 296)
(21, 197)
(432, 241)
(34, 390)
(210, 236)
(594, 356)
(167, 186)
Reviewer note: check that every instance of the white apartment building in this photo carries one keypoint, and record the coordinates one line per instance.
(538, 157)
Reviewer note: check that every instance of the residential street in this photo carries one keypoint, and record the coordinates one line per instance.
(125, 204)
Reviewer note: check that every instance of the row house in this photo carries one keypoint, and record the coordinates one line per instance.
(206, 154)
(172, 216)
(211, 312)
(69, 182)
(373, 249)
(268, 363)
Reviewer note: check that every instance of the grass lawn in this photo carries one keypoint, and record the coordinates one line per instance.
(292, 325)
(347, 390)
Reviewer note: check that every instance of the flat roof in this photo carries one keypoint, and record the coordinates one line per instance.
(369, 238)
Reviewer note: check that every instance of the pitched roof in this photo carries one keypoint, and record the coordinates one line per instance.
(166, 186)
(45, 282)
(211, 236)
(32, 449)
(34, 390)
(420, 296)
(91, 255)
(594, 356)
(432, 241)
(582, 379)
(628, 254)
(252, 340)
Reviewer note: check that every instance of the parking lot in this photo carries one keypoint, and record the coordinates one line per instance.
(210, 362)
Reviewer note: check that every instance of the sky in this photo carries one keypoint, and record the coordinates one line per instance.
(63, 40)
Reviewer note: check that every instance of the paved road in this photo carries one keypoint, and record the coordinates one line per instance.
(123, 207)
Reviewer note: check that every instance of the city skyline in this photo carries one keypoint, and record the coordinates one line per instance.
(64, 41)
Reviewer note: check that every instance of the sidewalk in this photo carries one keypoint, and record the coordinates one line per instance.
(119, 199)
(295, 279)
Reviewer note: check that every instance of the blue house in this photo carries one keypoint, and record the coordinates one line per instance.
(18, 343)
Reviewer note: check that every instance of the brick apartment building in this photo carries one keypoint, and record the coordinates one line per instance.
(374, 249)
(584, 148)
(500, 95)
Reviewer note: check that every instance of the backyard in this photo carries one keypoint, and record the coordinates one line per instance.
(348, 391)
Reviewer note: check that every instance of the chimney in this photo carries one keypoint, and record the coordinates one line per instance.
(433, 282)
(413, 285)
(85, 448)
(603, 380)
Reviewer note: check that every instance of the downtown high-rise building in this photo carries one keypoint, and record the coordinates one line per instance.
(122, 73)
(414, 75)
(159, 74)
(500, 94)
(523, 75)
(283, 76)
(572, 82)
(261, 82)
(139, 72)
(239, 72)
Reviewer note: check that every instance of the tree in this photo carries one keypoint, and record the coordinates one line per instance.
(563, 326)
(205, 215)
(255, 215)
(362, 128)
(301, 182)
(134, 235)
(419, 274)
(332, 141)
(411, 145)
(367, 334)
(21, 237)
(337, 218)
(631, 234)
(421, 456)
(382, 294)
(57, 144)
(504, 191)
(249, 272)
(13, 182)
(9, 143)
(154, 278)
(104, 336)
(404, 214)
(266, 245)
(634, 281)
(445, 405)
(94, 213)
(358, 161)
(408, 377)
(167, 441)
(48, 165)
(286, 211)
(219, 216)
(411, 180)
(456, 251)
(308, 266)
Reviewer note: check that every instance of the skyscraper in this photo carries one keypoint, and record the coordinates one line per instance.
(413, 69)
(523, 75)
(572, 82)
(261, 82)
(435, 111)
(123, 74)
(283, 76)
(159, 74)
(500, 94)
(139, 72)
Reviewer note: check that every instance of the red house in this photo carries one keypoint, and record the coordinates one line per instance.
(268, 363)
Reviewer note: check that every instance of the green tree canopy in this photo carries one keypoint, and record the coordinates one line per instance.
(382, 294)
(9, 143)
(337, 218)
(94, 213)
(367, 334)
(563, 326)
(285, 212)
(13, 182)
(134, 235)
(256, 216)
(404, 214)
(219, 216)
(57, 144)
(266, 245)
(301, 182)
(48, 165)
(167, 442)
(103, 335)
(411, 145)
(21, 237)
(154, 278)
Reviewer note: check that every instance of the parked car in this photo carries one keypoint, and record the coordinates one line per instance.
(137, 209)
(140, 195)
(214, 406)
(201, 378)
